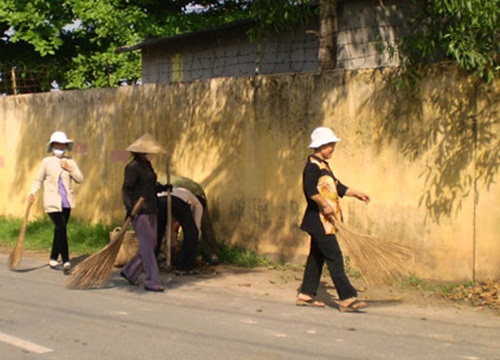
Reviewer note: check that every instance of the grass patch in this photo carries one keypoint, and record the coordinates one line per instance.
(414, 282)
(349, 269)
(477, 294)
(83, 238)
(235, 255)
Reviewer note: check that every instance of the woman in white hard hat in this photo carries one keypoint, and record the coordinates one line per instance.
(56, 174)
(140, 181)
(322, 191)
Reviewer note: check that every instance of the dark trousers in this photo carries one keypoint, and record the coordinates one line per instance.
(144, 260)
(325, 248)
(186, 259)
(208, 243)
(60, 240)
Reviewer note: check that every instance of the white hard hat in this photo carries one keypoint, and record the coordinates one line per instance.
(322, 136)
(59, 137)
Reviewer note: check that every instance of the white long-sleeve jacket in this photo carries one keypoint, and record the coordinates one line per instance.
(48, 176)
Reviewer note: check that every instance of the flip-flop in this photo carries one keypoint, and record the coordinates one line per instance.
(355, 306)
(185, 272)
(310, 302)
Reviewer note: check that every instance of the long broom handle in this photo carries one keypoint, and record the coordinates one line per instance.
(169, 217)
(25, 220)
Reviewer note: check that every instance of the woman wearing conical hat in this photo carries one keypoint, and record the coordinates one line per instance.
(139, 181)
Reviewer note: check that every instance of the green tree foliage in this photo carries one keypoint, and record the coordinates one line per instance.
(466, 32)
(278, 15)
(78, 39)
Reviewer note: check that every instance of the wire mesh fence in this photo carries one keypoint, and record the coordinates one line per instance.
(16, 79)
(216, 56)
(213, 59)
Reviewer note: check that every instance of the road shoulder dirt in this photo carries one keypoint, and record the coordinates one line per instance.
(281, 284)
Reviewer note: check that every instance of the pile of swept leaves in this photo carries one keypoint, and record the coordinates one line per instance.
(481, 294)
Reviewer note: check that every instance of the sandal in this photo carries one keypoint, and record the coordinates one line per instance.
(353, 306)
(309, 301)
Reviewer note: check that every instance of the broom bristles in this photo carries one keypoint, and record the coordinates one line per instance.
(379, 261)
(17, 253)
(94, 271)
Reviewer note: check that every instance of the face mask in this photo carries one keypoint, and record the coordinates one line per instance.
(58, 152)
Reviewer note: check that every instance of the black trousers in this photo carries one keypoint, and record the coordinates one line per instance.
(208, 242)
(186, 259)
(325, 248)
(60, 240)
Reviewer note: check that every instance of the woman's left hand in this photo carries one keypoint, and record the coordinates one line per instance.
(363, 197)
(358, 195)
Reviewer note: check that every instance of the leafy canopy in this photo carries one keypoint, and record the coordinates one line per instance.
(76, 40)
(466, 32)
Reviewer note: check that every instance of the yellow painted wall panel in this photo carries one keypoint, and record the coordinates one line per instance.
(245, 140)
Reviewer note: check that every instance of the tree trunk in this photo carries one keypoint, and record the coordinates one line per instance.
(327, 54)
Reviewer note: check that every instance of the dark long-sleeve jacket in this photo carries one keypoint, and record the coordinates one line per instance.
(140, 180)
(313, 171)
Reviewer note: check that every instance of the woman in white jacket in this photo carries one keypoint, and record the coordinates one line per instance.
(55, 174)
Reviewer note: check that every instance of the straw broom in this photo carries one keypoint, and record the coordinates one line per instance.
(94, 271)
(17, 253)
(379, 261)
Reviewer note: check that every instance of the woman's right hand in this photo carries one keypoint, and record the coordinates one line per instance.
(31, 198)
(327, 210)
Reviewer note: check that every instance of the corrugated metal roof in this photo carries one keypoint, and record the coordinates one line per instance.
(172, 40)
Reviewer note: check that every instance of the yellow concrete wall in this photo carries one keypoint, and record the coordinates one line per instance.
(245, 140)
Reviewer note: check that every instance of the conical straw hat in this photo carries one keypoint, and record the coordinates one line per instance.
(146, 144)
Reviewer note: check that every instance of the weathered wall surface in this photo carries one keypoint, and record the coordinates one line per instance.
(245, 140)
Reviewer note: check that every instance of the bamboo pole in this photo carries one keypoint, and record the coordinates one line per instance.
(14, 82)
(169, 217)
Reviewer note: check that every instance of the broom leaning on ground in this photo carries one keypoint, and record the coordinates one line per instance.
(94, 271)
(379, 261)
(16, 254)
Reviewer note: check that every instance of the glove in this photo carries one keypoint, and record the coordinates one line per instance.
(161, 188)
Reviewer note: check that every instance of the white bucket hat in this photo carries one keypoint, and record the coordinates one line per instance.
(322, 136)
(61, 138)
(146, 144)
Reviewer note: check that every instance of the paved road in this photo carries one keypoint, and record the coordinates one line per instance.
(196, 319)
